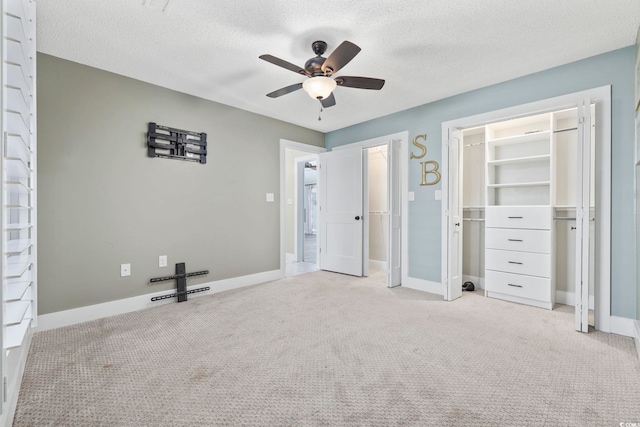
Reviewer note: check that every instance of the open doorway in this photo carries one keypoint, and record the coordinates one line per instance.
(306, 216)
(298, 209)
(354, 223)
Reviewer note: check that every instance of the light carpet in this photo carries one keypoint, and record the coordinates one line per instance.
(325, 349)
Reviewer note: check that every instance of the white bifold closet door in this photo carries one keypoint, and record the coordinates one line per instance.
(585, 218)
(453, 217)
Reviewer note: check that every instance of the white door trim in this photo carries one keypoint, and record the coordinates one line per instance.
(284, 144)
(603, 178)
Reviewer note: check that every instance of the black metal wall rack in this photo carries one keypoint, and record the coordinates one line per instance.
(172, 143)
(181, 283)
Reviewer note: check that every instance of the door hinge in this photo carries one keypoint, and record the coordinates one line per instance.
(4, 389)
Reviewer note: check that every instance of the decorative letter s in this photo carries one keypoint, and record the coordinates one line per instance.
(420, 146)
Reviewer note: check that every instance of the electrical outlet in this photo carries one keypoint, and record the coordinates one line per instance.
(125, 270)
(162, 261)
(270, 197)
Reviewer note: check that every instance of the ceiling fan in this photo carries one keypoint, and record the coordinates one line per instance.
(320, 84)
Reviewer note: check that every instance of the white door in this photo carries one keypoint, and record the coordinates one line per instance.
(340, 211)
(453, 273)
(584, 213)
(395, 219)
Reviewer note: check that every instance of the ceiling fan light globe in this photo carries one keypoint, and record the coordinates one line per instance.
(319, 87)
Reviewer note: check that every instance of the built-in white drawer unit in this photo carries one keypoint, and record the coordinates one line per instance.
(521, 286)
(515, 239)
(519, 254)
(527, 217)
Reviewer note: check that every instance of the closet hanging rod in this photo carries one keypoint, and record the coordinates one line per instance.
(564, 130)
(474, 144)
(378, 212)
(473, 219)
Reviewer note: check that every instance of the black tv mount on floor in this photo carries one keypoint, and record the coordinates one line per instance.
(181, 283)
(171, 143)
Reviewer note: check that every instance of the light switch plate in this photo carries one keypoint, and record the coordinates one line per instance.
(162, 261)
(289, 201)
(270, 197)
(438, 194)
(412, 196)
(125, 270)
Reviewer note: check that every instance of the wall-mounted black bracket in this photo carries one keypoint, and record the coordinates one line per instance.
(181, 283)
(171, 143)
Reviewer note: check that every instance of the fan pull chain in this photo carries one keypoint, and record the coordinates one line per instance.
(320, 113)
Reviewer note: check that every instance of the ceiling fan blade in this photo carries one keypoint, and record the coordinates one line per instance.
(284, 64)
(328, 102)
(340, 57)
(285, 90)
(360, 82)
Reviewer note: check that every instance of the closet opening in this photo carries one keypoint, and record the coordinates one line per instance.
(298, 208)
(525, 206)
(360, 199)
(376, 241)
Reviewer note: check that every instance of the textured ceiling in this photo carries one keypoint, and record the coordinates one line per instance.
(425, 50)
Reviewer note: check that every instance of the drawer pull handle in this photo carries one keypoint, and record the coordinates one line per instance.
(515, 262)
(515, 286)
(515, 240)
(514, 217)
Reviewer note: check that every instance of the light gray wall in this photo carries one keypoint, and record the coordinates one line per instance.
(103, 202)
(614, 68)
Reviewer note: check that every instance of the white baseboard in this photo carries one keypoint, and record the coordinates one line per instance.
(378, 265)
(569, 298)
(622, 326)
(637, 337)
(112, 308)
(422, 285)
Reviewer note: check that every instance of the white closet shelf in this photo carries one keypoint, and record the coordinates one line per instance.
(16, 270)
(517, 139)
(15, 334)
(520, 184)
(565, 207)
(18, 206)
(16, 311)
(15, 247)
(517, 160)
(16, 290)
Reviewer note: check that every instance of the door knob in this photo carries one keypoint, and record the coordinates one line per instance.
(357, 218)
(457, 224)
